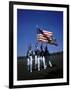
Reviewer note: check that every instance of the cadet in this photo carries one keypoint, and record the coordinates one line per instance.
(37, 60)
(42, 58)
(29, 58)
(47, 55)
(36, 57)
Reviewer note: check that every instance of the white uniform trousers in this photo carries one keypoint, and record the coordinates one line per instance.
(36, 61)
(50, 64)
(43, 62)
(29, 63)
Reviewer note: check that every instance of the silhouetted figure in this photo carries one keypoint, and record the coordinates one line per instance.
(47, 55)
(36, 56)
(42, 57)
(29, 58)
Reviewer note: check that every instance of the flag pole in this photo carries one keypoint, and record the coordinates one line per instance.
(36, 34)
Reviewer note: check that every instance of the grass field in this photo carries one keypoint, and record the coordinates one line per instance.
(50, 73)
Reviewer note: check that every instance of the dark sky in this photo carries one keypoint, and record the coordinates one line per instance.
(27, 20)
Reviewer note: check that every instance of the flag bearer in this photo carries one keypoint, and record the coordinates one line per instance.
(42, 57)
(29, 58)
(47, 55)
(36, 56)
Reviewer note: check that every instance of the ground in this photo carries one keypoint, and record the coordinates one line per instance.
(50, 73)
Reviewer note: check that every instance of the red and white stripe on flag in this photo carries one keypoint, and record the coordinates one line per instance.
(45, 36)
(47, 33)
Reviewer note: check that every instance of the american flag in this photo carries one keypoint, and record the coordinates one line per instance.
(45, 36)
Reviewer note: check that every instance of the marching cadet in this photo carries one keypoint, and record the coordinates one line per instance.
(36, 56)
(47, 55)
(42, 58)
(29, 58)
